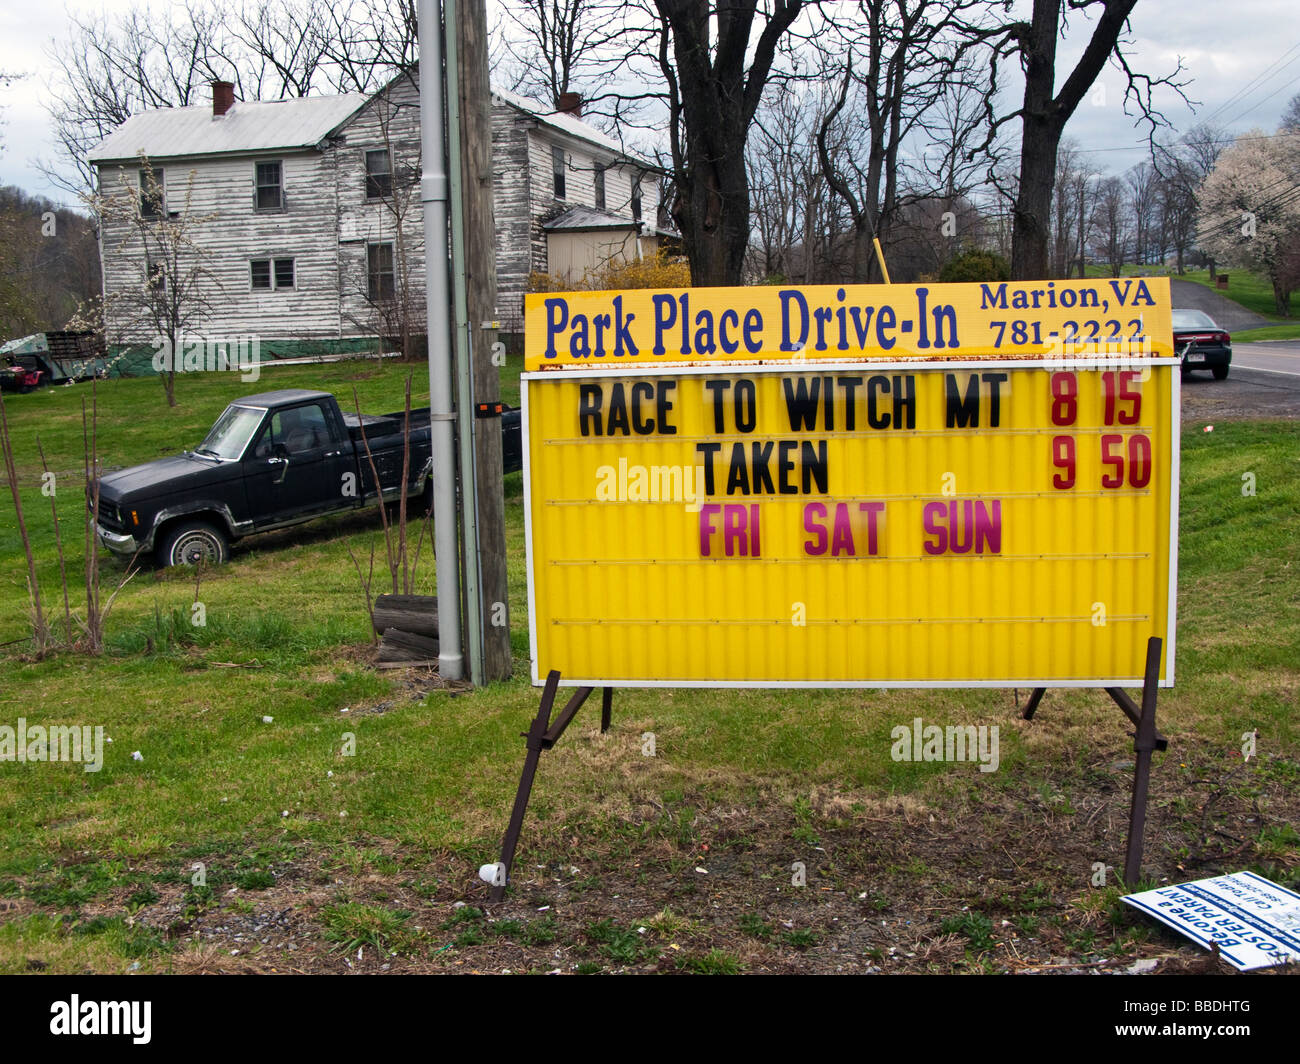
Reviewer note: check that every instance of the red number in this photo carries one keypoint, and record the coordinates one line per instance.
(1139, 461)
(1063, 458)
(1129, 392)
(1065, 398)
(1115, 480)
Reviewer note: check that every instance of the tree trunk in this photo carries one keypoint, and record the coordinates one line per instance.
(1282, 299)
(1034, 200)
(713, 215)
(1044, 118)
(715, 97)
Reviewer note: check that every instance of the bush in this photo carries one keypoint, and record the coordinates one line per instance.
(974, 265)
(662, 271)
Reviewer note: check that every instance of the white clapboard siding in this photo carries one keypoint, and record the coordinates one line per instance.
(512, 182)
(327, 222)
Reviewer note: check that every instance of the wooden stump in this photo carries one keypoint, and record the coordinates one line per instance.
(417, 614)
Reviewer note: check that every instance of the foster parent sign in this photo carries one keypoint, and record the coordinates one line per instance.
(884, 485)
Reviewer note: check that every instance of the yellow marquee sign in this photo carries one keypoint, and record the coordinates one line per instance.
(989, 513)
(997, 320)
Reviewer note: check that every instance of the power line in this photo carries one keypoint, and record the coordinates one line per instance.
(1263, 75)
(1265, 100)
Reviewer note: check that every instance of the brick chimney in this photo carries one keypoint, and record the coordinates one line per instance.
(223, 97)
(569, 103)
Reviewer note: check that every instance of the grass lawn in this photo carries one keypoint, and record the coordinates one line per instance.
(1251, 290)
(367, 851)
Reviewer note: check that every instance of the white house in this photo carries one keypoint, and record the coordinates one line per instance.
(302, 219)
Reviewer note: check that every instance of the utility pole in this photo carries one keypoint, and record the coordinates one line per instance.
(487, 635)
(433, 196)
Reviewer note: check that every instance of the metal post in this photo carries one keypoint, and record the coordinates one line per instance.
(1032, 706)
(1144, 742)
(536, 736)
(433, 197)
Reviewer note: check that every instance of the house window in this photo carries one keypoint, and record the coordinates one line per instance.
(600, 187)
(153, 197)
(272, 273)
(270, 187)
(380, 280)
(636, 200)
(379, 174)
(558, 167)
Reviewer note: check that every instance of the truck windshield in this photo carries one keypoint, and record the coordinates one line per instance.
(231, 433)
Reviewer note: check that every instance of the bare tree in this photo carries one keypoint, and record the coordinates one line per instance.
(899, 60)
(1045, 109)
(558, 46)
(114, 66)
(1143, 186)
(1183, 167)
(1291, 116)
(1070, 209)
(794, 223)
(169, 296)
(1113, 224)
(715, 63)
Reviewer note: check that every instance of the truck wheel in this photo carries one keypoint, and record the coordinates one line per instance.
(192, 542)
(1220, 372)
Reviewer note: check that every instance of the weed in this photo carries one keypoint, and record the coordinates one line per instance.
(975, 926)
(715, 962)
(353, 925)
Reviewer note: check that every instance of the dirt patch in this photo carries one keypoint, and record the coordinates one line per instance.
(977, 876)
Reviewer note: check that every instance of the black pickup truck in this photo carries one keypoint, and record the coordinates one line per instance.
(271, 460)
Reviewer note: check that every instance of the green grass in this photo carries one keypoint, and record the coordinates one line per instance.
(1249, 289)
(217, 785)
(353, 926)
(715, 962)
(975, 927)
(1268, 332)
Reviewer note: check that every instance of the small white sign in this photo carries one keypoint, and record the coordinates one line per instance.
(1255, 923)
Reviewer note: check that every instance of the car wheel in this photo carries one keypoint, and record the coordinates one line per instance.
(1220, 372)
(192, 543)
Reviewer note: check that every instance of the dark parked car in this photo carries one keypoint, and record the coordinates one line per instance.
(1202, 344)
(271, 460)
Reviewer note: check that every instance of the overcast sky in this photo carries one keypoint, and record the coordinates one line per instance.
(1225, 46)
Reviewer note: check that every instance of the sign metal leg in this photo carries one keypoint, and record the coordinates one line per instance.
(1145, 742)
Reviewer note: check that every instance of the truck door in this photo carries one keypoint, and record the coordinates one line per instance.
(297, 466)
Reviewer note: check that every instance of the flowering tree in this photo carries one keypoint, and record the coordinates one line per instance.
(1250, 210)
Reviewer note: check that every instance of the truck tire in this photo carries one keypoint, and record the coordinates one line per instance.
(191, 542)
(1220, 372)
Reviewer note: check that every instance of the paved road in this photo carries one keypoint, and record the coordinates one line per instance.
(1276, 356)
(1265, 377)
(1248, 392)
(1188, 295)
